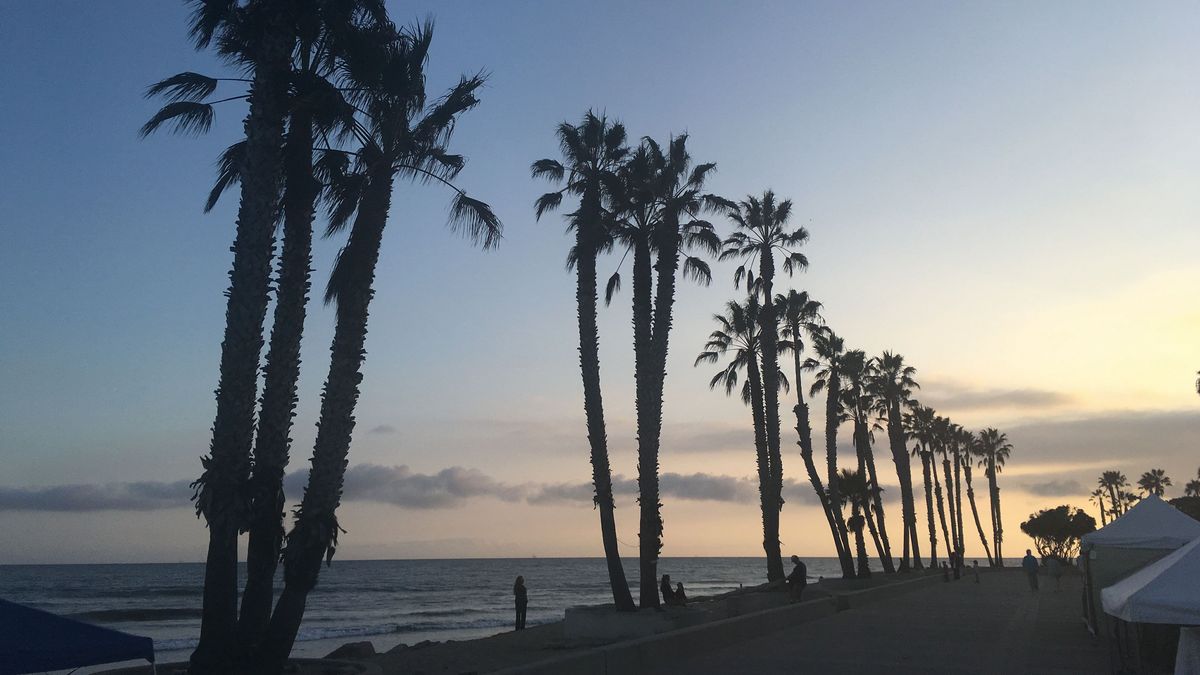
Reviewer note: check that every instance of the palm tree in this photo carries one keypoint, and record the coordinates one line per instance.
(1154, 482)
(1114, 484)
(891, 384)
(829, 350)
(1097, 497)
(972, 447)
(945, 442)
(658, 198)
(801, 316)
(1192, 489)
(858, 493)
(856, 368)
(593, 152)
(762, 230)
(739, 335)
(402, 136)
(221, 490)
(994, 449)
(918, 426)
(961, 442)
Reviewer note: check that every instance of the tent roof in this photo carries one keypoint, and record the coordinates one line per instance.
(35, 641)
(1165, 591)
(1151, 523)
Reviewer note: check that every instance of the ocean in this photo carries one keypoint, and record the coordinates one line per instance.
(387, 602)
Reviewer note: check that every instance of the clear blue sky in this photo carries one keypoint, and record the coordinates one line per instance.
(1005, 193)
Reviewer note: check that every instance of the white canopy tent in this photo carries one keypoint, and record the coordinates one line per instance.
(1165, 591)
(1149, 530)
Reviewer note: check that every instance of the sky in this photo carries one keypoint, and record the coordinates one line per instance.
(1003, 193)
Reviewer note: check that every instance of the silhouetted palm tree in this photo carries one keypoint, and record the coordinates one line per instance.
(221, 495)
(994, 450)
(1192, 489)
(858, 493)
(918, 426)
(1097, 498)
(1154, 482)
(402, 135)
(829, 350)
(762, 230)
(856, 369)
(961, 441)
(739, 337)
(972, 448)
(891, 384)
(593, 152)
(1114, 484)
(943, 442)
(657, 201)
(801, 316)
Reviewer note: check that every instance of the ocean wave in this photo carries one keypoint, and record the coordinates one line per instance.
(139, 614)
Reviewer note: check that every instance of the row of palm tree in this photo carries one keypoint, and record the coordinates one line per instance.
(338, 111)
(1114, 494)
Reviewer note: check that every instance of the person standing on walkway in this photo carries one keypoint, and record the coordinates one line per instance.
(522, 598)
(798, 579)
(1030, 565)
(975, 569)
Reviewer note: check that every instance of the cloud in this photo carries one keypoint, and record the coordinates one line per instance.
(399, 486)
(956, 398)
(382, 429)
(142, 496)
(1054, 488)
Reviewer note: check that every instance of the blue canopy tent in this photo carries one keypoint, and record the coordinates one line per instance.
(33, 641)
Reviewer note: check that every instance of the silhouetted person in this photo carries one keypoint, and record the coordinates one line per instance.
(798, 579)
(1030, 565)
(975, 569)
(522, 598)
(667, 592)
(1054, 569)
(680, 596)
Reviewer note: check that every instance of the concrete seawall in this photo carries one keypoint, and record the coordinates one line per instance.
(659, 651)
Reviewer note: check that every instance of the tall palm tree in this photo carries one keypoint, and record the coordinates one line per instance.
(762, 230)
(827, 364)
(738, 336)
(961, 442)
(1192, 489)
(972, 448)
(944, 442)
(658, 199)
(1154, 482)
(1097, 497)
(856, 368)
(918, 426)
(221, 490)
(995, 449)
(858, 493)
(891, 384)
(801, 316)
(405, 136)
(593, 152)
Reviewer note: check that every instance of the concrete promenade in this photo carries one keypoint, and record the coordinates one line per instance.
(997, 626)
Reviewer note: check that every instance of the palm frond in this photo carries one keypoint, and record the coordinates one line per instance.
(189, 117)
(184, 86)
(549, 169)
(229, 172)
(611, 288)
(476, 220)
(547, 202)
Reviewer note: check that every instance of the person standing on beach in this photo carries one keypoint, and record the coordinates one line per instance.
(668, 593)
(522, 598)
(798, 579)
(975, 569)
(1030, 565)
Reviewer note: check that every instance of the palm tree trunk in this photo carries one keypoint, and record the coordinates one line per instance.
(874, 533)
(860, 547)
(593, 405)
(876, 494)
(937, 490)
(975, 514)
(904, 473)
(833, 386)
(933, 562)
(221, 489)
(958, 501)
(314, 536)
(281, 373)
(999, 525)
(647, 372)
(769, 339)
(766, 482)
(955, 535)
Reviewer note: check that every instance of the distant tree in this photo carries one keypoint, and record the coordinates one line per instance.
(890, 385)
(994, 451)
(1189, 505)
(1056, 532)
(1192, 489)
(856, 399)
(762, 231)
(738, 338)
(593, 152)
(1114, 484)
(857, 492)
(918, 426)
(1154, 482)
(972, 448)
(1097, 498)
